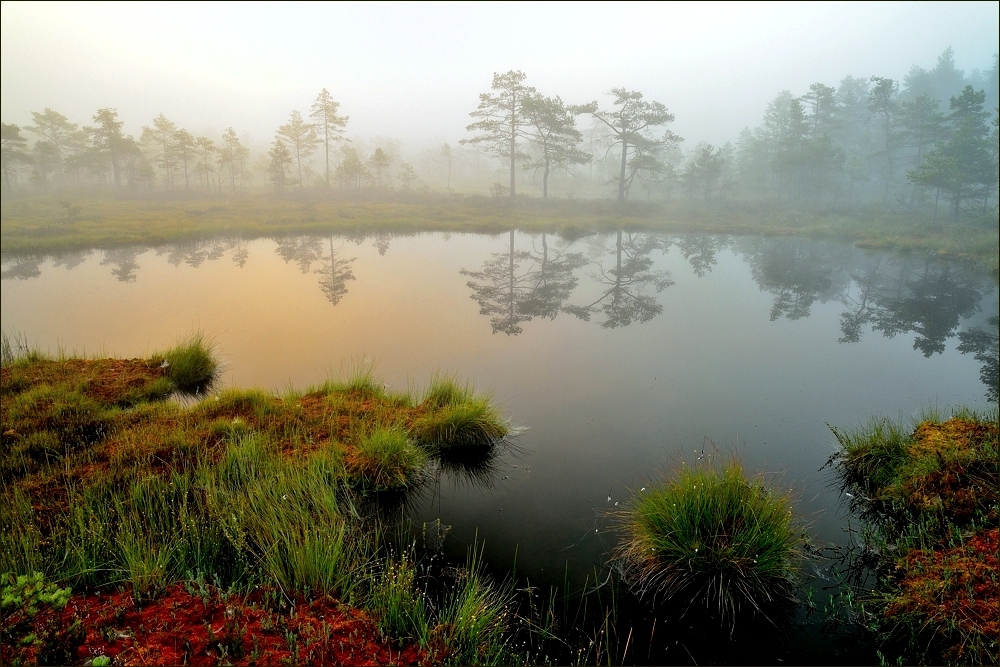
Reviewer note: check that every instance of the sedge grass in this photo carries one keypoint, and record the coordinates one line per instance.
(191, 365)
(927, 496)
(711, 536)
(101, 495)
(455, 418)
(388, 458)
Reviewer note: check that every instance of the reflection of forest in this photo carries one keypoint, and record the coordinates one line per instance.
(515, 286)
(624, 284)
(334, 271)
(891, 294)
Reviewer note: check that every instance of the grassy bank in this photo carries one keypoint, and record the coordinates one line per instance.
(130, 522)
(42, 225)
(927, 496)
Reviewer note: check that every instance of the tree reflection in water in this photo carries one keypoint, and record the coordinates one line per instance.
(517, 285)
(625, 299)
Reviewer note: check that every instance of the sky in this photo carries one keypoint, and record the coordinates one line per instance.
(415, 71)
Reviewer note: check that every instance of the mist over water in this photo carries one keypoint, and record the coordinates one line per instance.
(678, 232)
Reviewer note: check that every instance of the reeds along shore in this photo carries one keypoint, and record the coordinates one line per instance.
(927, 495)
(256, 498)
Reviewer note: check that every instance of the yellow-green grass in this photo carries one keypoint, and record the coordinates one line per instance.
(928, 494)
(41, 225)
(712, 536)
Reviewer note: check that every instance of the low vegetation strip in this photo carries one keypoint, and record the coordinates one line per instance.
(929, 500)
(42, 225)
(265, 506)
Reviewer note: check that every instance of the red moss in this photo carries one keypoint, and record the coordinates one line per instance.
(953, 589)
(106, 380)
(205, 628)
(958, 490)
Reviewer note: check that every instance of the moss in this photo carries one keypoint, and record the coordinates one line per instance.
(930, 520)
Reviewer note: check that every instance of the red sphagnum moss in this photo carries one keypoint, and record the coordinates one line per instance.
(203, 627)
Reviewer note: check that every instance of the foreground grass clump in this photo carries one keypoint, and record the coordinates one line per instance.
(191, 366)
(929, 501)
(119, 494)
(713, 536)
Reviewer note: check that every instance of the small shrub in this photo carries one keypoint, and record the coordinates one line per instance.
(32, 627)
(714, 536)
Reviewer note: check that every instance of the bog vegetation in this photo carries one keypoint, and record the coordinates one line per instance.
(256, 512)
(927, 496)
(712, 537)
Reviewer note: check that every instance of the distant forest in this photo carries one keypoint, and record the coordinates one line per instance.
(928, 142)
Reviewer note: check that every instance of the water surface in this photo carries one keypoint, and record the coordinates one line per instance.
(620, 354)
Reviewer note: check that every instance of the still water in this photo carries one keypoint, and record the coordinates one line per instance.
(619, 354)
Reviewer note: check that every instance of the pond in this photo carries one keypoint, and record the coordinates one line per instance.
(620, 354)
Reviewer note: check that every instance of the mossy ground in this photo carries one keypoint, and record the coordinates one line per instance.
(929, 498)
(115, 491)
(41, 225)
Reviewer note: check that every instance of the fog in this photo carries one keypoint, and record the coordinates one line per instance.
(414, 72)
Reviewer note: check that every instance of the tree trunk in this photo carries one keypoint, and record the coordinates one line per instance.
(513, 144)
(326, 144)
(621, 176)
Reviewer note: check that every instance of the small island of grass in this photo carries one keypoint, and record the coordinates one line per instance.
(712, 536)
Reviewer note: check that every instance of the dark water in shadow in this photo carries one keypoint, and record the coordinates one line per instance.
(619, 354)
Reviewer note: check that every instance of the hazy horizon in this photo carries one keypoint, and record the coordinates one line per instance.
(414, 72)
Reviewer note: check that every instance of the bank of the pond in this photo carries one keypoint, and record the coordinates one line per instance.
(246, 527)
(47, 224)
(243, 528)
(927, 497)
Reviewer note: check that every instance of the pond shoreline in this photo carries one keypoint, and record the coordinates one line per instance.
(43, 225)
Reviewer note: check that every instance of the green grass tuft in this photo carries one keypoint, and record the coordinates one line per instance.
(191, 366)
(712, 536)
(455, 418)
(388, 459)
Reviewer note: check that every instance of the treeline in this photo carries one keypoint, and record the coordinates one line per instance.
(907, 144)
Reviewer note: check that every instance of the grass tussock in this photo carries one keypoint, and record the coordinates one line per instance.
(455, 418)
(929, 499)
(388, 458)
(191, 365)
(710, 535)
(109, 487)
